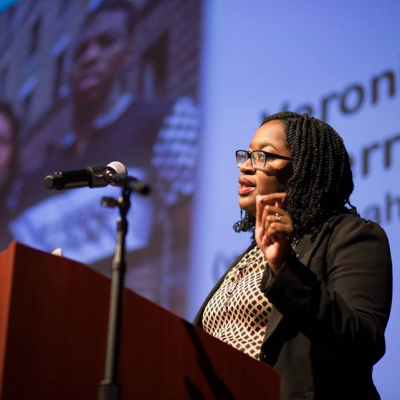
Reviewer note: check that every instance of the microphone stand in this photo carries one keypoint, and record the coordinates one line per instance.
(109, 388)
(99, 176)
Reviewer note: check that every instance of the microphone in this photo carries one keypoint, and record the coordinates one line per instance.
(93, 177)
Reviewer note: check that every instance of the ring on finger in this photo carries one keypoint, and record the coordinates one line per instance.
(278, 217)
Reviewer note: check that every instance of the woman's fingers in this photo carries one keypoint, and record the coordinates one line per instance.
(260, 229)
(273, 214)
(273, 223)
(274, 228)
(273, 210)
(259, 210)
(279, 231)
(279, 199)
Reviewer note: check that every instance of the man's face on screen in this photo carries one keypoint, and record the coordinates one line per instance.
(101, 54)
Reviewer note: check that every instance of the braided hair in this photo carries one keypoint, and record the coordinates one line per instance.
(322, 181)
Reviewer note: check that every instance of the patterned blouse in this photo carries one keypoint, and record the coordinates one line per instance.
(238, 312)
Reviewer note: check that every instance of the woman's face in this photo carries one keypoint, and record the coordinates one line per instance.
(6, 146)
(271, 138)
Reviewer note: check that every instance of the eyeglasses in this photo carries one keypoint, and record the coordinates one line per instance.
(258, 158)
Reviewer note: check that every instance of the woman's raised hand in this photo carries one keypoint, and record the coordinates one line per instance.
(274, 229)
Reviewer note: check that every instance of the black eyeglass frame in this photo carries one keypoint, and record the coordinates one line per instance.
(266, 154)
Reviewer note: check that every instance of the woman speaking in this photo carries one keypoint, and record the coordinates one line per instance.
(311, 295)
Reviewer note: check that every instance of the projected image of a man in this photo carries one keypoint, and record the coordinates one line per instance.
(119, 102)
(101, 56)
(108, 124)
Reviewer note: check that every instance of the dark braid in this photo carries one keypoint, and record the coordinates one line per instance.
(322, 181)
(246, 223)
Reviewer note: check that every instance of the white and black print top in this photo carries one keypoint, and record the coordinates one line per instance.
(238, 312)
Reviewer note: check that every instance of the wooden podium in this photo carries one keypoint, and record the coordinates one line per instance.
(53, 327)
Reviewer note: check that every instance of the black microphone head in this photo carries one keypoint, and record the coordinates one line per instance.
(94, 176)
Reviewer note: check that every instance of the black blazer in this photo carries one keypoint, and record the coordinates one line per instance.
(331, 306)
